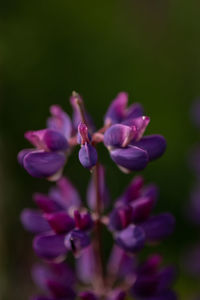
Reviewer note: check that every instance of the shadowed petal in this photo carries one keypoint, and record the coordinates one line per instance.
(49, 246)
(155, 145)
(131, 239)
(158, 227)
(33, 221)
(55, 141)
(22, 154)
(141, 208)
(77, 240)
(131, 158)
(135, 110)
(85, 265)
(43, 164)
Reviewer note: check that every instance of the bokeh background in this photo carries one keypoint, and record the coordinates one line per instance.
(149, 48)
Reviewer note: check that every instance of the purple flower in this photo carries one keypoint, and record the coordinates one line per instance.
(48, 157)
(124, 138)
(56, 280)
(153, 282)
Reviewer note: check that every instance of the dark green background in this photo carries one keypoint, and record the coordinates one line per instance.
(149, 48)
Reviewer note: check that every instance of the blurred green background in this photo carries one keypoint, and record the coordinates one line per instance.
(149, 48)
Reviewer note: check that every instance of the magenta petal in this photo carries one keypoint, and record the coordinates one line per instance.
(155, 145)
(141, 208)
(43, 164)
(46, 204)
(158, 227)
(134, 111)
(133, 191)
(33, 221)
(49, 246)
(131, 239)
(131, 158)
(116, 110)
(60, 291)
(60, 222)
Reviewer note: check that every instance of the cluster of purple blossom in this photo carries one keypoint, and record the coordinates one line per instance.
(62, 224)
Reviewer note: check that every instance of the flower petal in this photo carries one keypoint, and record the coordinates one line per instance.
(119, 135)
(49, 246)
(131, 239)
(88, 156)
(158, 227)
(45, 203)
(134, 111)
(55, 141)
(22, 154)
(155, 145)
(60, 222)
(60, 121)
(141, 209)
(33, 221)
(85, 265)
(77, 240)
(131, 158)
(116, 110)
(43, 164)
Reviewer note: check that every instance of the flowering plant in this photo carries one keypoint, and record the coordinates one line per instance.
(62, 224)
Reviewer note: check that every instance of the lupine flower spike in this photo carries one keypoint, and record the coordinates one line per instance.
(62, 224)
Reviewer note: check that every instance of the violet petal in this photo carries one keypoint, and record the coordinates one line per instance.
(155, 145)
(33, 221)
(43, 164)
(88, 156)
(49, 246)
(60, 222)
(131, 239)
(116, 110)
(131, 158)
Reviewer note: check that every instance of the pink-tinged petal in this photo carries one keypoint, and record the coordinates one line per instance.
(60, 121)
(65, 194)
(103, 190)
(131, 158)
(85, 265)
(155, 145)
(33, 221)
(36, 138)
(22, 154)
(49, 246)
(158, 227)
(88, 156)
(83, 133)
(83, 220)
(116, 110)
(43, 164)
(120, 217)
(131, 239)
(60, 222)
(119, 135)
(141, 209)
(134, 111)
(45, 203)
(140, 124)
